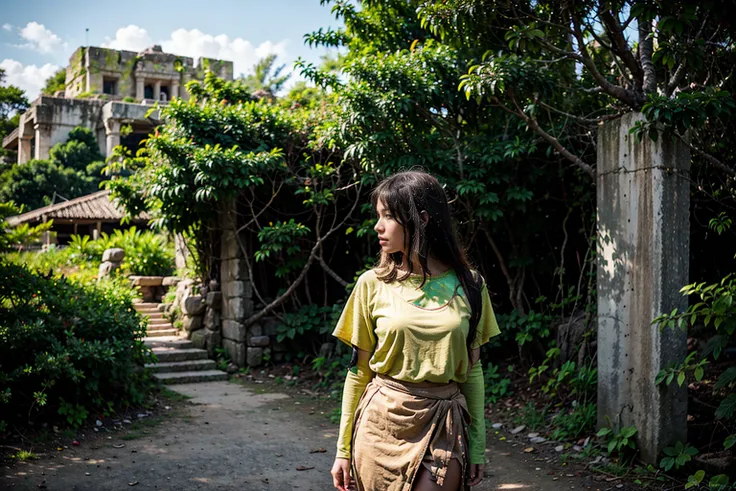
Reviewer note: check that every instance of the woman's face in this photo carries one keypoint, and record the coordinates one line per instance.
(390, 232)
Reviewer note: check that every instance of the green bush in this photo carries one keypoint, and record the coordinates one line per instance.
(78, 152)
(33, 184)
(67, 350)
(496, 386)
(66, 261)
(579, 420)
(146, 253)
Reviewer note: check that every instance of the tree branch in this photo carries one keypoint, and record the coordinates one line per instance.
(501, 263)
(621, 46)
(579, 119)
(312, 256)
(330, 272)
(626, 96)
(532, 123)
(646, 50)
(709, 158)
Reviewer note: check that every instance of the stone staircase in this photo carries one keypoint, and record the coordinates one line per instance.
(178, 361)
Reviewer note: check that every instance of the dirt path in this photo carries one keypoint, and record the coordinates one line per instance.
(233, 437)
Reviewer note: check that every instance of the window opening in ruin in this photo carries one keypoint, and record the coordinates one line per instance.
(164, 93)
(148, 92)
(109, 86)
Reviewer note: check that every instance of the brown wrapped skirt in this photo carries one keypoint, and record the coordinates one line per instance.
(400, 426)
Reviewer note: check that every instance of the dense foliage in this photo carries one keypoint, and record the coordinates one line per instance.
(12, 237)
(73, 170)
(146, 253)
(501, 101)
(66, 349)
(55, 82)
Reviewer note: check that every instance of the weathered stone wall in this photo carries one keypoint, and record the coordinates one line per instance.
(51, 119)
(245, 345)
(76, 75)
(643, 229)
(90, 66)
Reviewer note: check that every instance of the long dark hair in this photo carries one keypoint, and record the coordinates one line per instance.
(406, 195)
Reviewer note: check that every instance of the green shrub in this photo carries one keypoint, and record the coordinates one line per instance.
(146, 253)
(67, 349)
(68, 261)
(310, 324)
(578, 421)
(496, 386)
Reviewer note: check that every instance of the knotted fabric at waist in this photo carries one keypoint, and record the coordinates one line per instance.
(429, 390)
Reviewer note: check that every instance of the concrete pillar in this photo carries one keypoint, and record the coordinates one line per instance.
(43, 141)
(140, 84)
(643, 246)
(174, 89)
(25, 151)
(157, 90)
(112, 132)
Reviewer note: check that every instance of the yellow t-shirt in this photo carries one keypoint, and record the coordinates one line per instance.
(415, 335)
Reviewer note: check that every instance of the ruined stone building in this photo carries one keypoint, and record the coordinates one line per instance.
(107, 90)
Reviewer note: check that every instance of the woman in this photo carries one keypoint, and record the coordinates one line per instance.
(412, 408)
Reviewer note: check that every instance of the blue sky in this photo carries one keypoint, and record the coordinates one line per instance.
(37, 37)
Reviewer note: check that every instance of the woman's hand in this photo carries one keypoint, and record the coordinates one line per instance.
(476, 474)
(341, 474)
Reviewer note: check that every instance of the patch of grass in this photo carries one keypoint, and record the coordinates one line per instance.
(173, 396)
(24, 455)
(43, 436)
(613, 468)
(531, 417)
(133, 435)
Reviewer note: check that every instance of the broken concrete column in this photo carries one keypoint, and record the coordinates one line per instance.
(643, 247)
(25, 149)
(43, 140)
(112, 132)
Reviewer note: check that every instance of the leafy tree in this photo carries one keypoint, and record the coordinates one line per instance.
(55, 82)
(302, 95)
(35, 184)
(79, 151)
(670, 60)
(21, 235)
(216, 150)
(398, 107)
(266, 76)
(12, 99)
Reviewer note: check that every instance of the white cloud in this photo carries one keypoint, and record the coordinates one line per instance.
(7, 27)
(131, 38)
(40, 39)
(195, 43)
(240, 51)
(30, 78)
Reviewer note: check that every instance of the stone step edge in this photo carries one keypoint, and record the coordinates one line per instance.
(168, 342)
(176, 354)
(181, 366)
(190, 377)
(162, 333)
